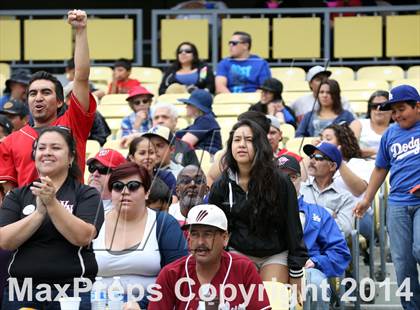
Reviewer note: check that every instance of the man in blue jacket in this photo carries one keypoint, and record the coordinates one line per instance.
(328, 253)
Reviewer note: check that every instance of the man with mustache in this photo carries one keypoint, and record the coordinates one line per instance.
(209, 276)
(191, 187)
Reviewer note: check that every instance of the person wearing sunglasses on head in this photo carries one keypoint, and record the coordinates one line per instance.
(49, 225)
(187, 70)
(100, 168)
(139, 99)
(369, 130)
(136, 242)
(242, 71)
(325, 160)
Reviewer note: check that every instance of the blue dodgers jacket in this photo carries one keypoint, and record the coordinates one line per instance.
(326, 245)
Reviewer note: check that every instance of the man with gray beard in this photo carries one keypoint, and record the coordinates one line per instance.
(191, 187)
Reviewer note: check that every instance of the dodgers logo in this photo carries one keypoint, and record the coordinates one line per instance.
(400, 151)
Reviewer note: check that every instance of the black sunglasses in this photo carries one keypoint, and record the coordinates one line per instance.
(198, 180)
(101, 169)
(319, 157)
(141, 101)
(375, 106)
(185, 50)
(132, 186)
(234, 43)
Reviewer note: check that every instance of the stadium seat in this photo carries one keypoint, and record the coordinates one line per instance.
(403, 36)
(115, 125)
(413, 82)
(357, 95)
(293, 145)
(288, 131)
(278, 295)
(114, 110)
(9, 41)
(4, 71)
(341, 73)
(92, 147)
(115, 145)
(182, 123)
(205, 159)
(286, 74)
(258, 28)
(236, 98)
(230, 109)
(413, 72)
(371, 85)
(297, 37)
(153, 88)
(359, 107)
(296, 86)
(226, 124)
(386, 73)
(172, 98)
(114, 99)
(2, 83)
(101, 75)
(146, 75)
(289, 97)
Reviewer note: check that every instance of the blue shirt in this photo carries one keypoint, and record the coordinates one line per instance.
(207, 130)
(127, 125)
(3, 100)
(244, 75)
(399, 153)
(187, 79)
(307, 125)
(168, 178)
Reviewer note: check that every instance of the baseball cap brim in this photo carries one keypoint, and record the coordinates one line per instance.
(149, 134)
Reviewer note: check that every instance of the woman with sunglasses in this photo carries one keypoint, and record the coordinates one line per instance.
(49, 225)
(261, 205)
(139, 99)
(135, 242)
(188, 70)
(330, 111)
(369, 130)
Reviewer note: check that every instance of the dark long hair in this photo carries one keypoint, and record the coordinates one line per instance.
(266, 198)
(335, 95)
(195, 61)
(347, 140)
(378, 93)
(74, 170)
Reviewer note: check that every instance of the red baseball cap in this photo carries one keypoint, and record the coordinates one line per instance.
(109, 158)
(137, 91)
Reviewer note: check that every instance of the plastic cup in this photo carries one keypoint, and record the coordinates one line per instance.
(70, 303)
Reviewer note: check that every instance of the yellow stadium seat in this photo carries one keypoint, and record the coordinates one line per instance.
(359, 107)
(403, 36)
(258, 28)
(236, 98)
(357, 95)
(278, 295)
(2, 83)
(146, 75)
(182, 123)
(153, 88)
(114, 99)
(386, 73)
(357, 37)
(115, 145)
(293, 145)
(413, 82)
(114, 110)
(172, 98)
(364, 85)
(101, 75)
(290, 97)
(230, 109)
(92, 147)
(226, 124)
(4, 71)
(9, 41)
(205, 159)
(288, 131)
(115, 125)
(413, 72)
(296, 86)
(296, 38)
(341, 73)
(286, 74)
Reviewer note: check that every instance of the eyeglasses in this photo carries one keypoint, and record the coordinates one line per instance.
(198, 180)
(185, 50)
(375, 106)
(141, 101)
(101, 169)
(208, 235)
(132, 186)
(318, 157)
(234, 43)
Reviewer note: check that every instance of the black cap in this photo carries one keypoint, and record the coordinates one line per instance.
(20, 76)
(288, 162)
(6, 124)
(273, 85)
(15, 107)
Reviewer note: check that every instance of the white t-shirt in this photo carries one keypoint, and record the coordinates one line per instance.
(368, 137)
(175, 211)
(135, 267)
(304, 104)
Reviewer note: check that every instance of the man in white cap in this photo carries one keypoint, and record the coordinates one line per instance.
(209, 275)
(304, 104)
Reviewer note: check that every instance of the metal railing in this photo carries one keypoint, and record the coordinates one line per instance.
(136, 14)
(325, 13)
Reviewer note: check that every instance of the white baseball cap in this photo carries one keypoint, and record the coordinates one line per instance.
(206, 214)
(316, 70)
(274, 121)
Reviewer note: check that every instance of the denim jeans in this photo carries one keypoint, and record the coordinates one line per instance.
(403, 224)
(315, 276)
(41, 305)
(366, 223)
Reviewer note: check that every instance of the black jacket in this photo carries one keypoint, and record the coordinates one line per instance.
(286, 233)
(260, 107)
(205, 78)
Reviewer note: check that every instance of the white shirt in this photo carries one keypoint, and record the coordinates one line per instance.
(175, 211)
(368, 137)
(304, 104)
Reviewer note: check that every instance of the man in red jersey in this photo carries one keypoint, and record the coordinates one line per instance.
(209, 276)
(45, 98)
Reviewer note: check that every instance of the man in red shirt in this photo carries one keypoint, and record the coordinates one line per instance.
(209, 276)
(121, 83)
(45, 98)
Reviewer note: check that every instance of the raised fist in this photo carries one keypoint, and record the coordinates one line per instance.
(77, 19)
